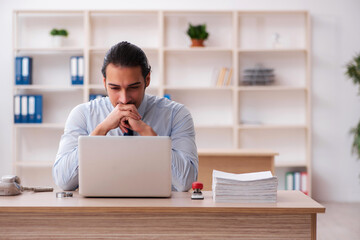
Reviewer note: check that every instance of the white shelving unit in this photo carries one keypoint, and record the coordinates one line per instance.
(275, 117)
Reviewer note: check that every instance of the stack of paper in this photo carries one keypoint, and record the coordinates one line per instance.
(244, 188)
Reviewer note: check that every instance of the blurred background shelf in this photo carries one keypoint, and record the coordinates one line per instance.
(228, 118)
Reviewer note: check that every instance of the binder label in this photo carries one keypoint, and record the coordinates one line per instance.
(25, 67)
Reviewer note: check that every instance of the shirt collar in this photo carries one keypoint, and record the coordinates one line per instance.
(142, 106)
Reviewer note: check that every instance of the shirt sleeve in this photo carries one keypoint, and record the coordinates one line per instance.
(65, 169)
(185, 160)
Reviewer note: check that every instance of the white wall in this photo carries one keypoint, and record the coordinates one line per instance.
(336, 108)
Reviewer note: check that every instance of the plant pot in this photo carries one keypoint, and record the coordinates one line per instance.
(57, 41)
(197, 42)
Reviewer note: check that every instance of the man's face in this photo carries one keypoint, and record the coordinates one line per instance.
(125, 85)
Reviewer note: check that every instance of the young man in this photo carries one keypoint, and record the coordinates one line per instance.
(128, 111)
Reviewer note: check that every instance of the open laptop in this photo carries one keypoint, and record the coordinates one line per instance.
(124, 166)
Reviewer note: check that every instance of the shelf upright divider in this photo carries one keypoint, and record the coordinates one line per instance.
(161, 58)
(235, 66)
(308, 100)
(14, 53)
(86, 55)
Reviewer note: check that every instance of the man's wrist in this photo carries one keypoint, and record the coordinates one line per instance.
(147, 131)
(99, 131)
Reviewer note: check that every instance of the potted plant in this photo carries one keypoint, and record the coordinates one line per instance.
(57, 36)
(198, 34)
(353, 72)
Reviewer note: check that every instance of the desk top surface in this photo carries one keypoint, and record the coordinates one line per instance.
(287, 202)
(237, 152)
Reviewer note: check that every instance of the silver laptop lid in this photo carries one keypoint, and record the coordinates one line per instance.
(124, 166)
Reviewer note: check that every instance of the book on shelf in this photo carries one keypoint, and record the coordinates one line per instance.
(96, 96)
(296, 181)
(229, 77)
(304, 183)
(289, 181)
(77, 70)
(24, 109)
(224, 77)
(221, 77)
(17, 109)
(28, 109)
(168, 96)
(23, 70)
(245, 187)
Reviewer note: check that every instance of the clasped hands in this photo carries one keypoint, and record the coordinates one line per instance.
(124, 116)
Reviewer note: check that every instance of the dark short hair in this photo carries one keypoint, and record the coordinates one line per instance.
(125, 54)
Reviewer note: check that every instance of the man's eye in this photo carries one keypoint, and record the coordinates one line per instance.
(135, 87)
(115, 88)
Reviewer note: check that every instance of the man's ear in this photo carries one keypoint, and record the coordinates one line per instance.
(104, 81)
(147, 80)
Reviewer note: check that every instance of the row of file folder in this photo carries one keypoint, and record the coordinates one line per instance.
(77, 70)
(296, 181)
(23, 70)
(28, 108)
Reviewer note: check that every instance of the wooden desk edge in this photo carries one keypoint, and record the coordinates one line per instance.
(95, 209)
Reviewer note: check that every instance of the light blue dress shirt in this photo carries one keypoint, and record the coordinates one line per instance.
(167, 118)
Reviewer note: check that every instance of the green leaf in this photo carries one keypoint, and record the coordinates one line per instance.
(353, 69)
(356, 140)
(63, 32)
(54, 32)
(197, 31)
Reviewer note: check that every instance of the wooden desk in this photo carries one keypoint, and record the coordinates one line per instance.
(42, 215)
(234, 161)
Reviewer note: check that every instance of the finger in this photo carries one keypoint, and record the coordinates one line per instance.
(130, 108)
(124, 123)
(124, 130)
(124, 126)
(129, 114)
(135, 116)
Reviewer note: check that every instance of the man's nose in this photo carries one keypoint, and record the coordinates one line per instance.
(124, 98)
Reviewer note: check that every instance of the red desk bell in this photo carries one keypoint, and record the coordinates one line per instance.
(197, 194)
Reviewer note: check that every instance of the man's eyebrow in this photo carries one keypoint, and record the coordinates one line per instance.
(133, 84)
(114, 85)
(130, 85)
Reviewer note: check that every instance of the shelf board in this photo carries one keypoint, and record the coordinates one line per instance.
(270, 12)
(105, 49)
(117, 12)
(213, 126)
(49, 87)
(290, 164)
(174, 88)
(56, 12)
(271, 88)
(197, 49)
(49, 50)
(269, 126)
(168, 13)
(34, 164)
(269, 50)
(101, 87)
(40, 125)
